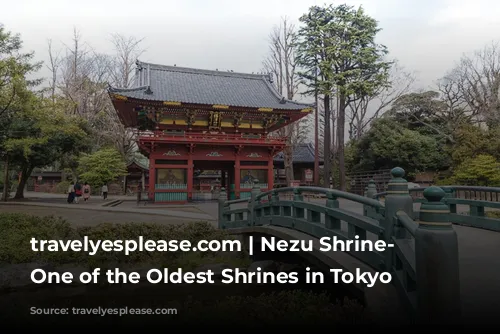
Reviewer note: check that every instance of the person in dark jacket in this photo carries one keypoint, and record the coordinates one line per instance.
(71, 193)
(78, 191)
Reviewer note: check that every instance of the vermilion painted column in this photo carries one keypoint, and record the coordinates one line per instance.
(237, 175)
(152, 177)
(190, 176)
(270, 174)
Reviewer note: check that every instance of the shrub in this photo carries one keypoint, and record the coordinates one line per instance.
(17, 231)
(483, 170)
(62, 187)
(445, 181)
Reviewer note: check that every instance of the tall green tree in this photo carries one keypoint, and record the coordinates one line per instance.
(102, 167)
(429, 112)
(339, 41)
(314, 61)
(14, 91)
(389, 143)
(14, 67)
(42, 133)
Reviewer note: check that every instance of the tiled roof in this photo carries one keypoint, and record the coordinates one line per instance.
(141, 163)
(188, 85)
(302, 153)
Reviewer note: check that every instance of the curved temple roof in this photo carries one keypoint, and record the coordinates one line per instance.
(188, 85)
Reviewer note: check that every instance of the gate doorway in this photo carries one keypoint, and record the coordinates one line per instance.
(208, 179)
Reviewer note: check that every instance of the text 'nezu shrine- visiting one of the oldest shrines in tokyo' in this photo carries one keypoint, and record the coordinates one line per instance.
(191, 119)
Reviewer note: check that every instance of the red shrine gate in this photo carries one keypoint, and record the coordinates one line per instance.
(189, 119)
(174, 159)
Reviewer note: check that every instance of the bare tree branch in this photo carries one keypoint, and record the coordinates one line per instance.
(363, 110)
(127, 51)
(476, 80)
(53, 67)
(281, 63)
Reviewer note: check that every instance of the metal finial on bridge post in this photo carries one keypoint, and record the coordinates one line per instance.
(222, 203)
(437, 266)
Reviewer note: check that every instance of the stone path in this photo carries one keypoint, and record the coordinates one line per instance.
(155, 211)
(87, 217)
(56, 203)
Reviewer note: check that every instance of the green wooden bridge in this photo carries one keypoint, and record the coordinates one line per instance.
(444, 240)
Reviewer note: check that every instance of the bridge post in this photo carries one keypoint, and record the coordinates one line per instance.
(297, 195)
(450, 193)
(397, 199)
(275, 197)
(298, 212)
(437, 266)
(222, 202)
(251, 204)
(255, 192)
(331, 222)
(371, 191)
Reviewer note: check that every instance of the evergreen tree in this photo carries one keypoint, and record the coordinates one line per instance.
(14, 92)
(339, 42)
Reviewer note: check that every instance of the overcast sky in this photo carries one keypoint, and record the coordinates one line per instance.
(426, 36)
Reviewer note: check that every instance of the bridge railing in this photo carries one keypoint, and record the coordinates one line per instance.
(425, 267)
(239, 216)
(405, 268)
(313, 218)
(470, 206)
(423, 260)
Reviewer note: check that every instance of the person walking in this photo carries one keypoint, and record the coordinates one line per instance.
(104, 191)
(86, 192)
(78, 191)
(71, 193)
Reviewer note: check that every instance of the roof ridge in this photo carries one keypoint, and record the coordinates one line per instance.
(134, 159)
(132, 89)
(171, 68)
(275, 92)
